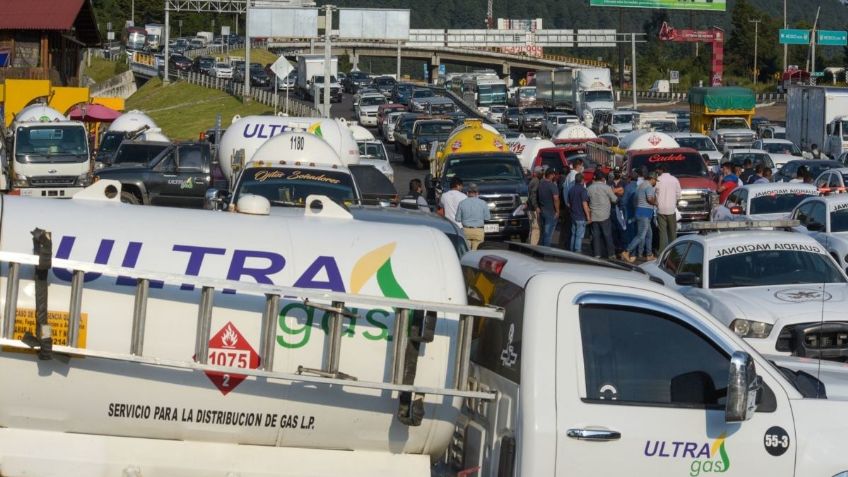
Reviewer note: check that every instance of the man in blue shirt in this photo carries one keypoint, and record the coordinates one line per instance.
(472, 213)
(548, 207)
(578, 204)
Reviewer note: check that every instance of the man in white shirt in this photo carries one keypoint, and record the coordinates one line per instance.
(667, 192)
(449, 202)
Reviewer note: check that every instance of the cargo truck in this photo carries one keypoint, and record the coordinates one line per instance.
(155, 35)
(724, 113)
(49, 154)
(818, 115)
(310, 67)
(184, 352)
(554, 88)
(489, 91)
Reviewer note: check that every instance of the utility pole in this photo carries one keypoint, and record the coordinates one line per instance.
(633, 68)
(756, 38)
(246, 87)
(328, 31)
(132, 12)
(785, 46)
(813, 47)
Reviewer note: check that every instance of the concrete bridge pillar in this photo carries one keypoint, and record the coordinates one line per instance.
(354, 59)
(434, 68)
(505, 69)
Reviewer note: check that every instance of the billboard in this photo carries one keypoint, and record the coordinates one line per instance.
(713, 5)
(283, 22)
(374, 24)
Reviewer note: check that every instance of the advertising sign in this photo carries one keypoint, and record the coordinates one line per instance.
(674, 77)
(712, 5)
(374, 24)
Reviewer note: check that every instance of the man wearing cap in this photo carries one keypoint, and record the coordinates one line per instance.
(472, 213)
(533, 204)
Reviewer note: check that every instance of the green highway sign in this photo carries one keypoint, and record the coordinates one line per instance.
(817, 74)
(794, 37)
(831, 38)
(713, 5)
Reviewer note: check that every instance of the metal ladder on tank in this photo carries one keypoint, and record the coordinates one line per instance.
(329, 373)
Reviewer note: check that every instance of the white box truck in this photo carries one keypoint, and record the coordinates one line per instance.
(311, 67)
(591, 92)
(155, 35)
(818, 115)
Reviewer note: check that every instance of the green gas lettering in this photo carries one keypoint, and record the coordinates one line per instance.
(371, 318)
(289, 332)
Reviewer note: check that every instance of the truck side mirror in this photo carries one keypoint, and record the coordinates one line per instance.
(216, 199)
(742, 387)
(687, 279)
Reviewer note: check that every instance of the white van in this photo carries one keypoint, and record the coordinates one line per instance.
(599, 371)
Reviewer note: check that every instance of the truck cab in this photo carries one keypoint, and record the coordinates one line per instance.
(598, 370)
(49, 158)
(836, 140)
(732, 132)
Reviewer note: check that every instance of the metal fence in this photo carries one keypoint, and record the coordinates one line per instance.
(761, 97)
(295, 107)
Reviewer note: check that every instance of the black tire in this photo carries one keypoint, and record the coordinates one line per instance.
(129, 198)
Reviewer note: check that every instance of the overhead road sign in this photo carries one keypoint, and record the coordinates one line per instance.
(283, 22)
(374, 24)
(790, 36)
(712, 5)
(831, 38)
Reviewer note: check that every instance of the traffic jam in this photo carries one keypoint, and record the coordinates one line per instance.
(482, 275)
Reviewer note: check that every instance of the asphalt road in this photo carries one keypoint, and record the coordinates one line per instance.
(403, 172)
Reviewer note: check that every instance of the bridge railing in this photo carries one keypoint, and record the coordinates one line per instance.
(653, 95)
(295, 107)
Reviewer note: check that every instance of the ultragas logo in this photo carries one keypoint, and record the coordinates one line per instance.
(260, 131)
(258, 266)
(703, 457)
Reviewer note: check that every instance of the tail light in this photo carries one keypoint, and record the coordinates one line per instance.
(736, 210)
(492, 264)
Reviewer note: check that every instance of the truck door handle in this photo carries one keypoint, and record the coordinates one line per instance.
(593, 434)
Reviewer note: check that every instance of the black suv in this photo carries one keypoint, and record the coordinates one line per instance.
(355, 80)
(203, 64)
(179, 176)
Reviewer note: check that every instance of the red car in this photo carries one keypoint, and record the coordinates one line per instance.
(561, 159)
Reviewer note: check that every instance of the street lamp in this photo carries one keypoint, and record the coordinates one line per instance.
(756, 23)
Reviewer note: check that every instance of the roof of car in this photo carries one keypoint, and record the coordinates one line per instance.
(686, 134)
(746, 236)
(747, 150)
(776, 141)
(771, 186)
(398, 215)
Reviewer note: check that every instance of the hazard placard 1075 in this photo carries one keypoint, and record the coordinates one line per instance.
(58, 321)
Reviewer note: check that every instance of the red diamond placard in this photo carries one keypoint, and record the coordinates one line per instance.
(229, 348)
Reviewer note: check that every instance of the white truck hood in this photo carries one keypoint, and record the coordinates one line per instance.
(834, 375)
(783, 305)
(600, 105)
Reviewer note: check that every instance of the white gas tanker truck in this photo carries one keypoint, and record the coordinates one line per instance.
(314, 345)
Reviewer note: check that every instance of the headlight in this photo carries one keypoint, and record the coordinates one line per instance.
(523, 199)
(750, 329)
(83, 180)
(423, 147)
(21, 181)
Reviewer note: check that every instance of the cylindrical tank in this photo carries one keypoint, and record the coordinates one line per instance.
(335, 253)
(574, 131)
(360, 133)
(132, 121)
(250, 132)
(647, 140)
(527, 148)
(293, 147)
(38, 112)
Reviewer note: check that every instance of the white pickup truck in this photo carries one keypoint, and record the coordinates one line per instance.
(600, 371)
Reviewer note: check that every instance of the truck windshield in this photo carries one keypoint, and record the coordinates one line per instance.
(372, 150)
(598, 96)
(110, 142)
(663, 126)
(290, 187)
(622, 118)
(839, 221)
(731, 123)
(372, 100)
(51, 144)
(756, 159)
(527, 93)
(781, 148)
(491, 94)
(844, 126)
(678, 164)
(421, 93)
(777, 203)
(696, 143)
(440, 129)
(130, 153)
(772, 267)
(485, 168)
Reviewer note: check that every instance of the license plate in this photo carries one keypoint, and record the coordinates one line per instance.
(487, 228)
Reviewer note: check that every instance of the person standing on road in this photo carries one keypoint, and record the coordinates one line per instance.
(578, 205)
(472, 213)
(450, 201)
(727, 183)
(815, 152)
(548, 207)
(533, 204)
(601, 200)
(766, 176)
(628, 206)
(667, 192)
(643, 241)
(414, 199)
(747, 170)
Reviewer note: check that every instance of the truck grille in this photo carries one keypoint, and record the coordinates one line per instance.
(827, 340)
(52, 181)
(503, 204)
(738, 140)
(694, 205)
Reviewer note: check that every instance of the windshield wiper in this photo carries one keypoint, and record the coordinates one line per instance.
(285, 203)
